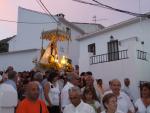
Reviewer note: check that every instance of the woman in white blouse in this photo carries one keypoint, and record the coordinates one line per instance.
(52, 92)
(110, 104)
(142, 105)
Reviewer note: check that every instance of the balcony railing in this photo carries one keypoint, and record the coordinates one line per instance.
(108, 57)
(141, 55)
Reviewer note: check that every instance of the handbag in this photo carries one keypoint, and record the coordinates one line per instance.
(40, 108)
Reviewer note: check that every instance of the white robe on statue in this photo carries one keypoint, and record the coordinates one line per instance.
(44, 59)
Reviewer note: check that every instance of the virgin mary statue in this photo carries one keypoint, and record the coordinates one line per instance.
(50, 54)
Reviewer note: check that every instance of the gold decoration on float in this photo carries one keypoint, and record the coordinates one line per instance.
(49, 58)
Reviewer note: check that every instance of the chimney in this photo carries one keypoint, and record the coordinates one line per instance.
(61, 15)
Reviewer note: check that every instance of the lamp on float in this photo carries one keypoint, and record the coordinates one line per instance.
(63, 60)
(56, 59)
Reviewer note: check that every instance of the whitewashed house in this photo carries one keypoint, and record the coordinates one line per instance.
(26, 45)
(119, 51)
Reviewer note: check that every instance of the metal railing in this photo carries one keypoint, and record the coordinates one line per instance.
(108, 57)
(141, 55)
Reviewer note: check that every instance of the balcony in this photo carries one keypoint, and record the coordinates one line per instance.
(108, 57)
(141, 55)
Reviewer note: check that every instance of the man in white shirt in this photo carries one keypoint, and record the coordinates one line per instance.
(8, 98)
(12, 79)
(73, 80)
(127, 88)
(123, 101)
(77, 105)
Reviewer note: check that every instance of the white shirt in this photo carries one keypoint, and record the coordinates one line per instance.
(64, 95)
(128, 90)
(41, 92)
(8, 98)
(60, 82)
(53, 94)
(81, 108)
(97, 104)
(124, 103)
(115, 112)
(141, 107)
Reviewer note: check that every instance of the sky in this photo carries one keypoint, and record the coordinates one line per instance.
(73, 11)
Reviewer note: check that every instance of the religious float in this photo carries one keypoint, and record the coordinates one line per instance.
(49, 57)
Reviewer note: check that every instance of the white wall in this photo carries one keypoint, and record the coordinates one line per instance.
(89, 27)
(19, 60)
(130, 37)
(124, 34)
(28, 35)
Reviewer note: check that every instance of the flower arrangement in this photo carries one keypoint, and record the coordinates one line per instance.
(52, 65)
(68, 68)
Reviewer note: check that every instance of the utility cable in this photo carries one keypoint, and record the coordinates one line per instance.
(48, 12)
(122, 11)
(40, 5)
(111, 8)
(25, 22)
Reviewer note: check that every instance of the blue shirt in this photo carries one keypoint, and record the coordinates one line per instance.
(12, 83)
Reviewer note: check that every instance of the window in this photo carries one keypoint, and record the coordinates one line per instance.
(4, 47)
(113, 50)
(68, 31)
(91, 48)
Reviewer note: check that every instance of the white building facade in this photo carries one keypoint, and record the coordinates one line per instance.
(26, 45)
(119, 51)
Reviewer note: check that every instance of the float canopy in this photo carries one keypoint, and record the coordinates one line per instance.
(55, 35)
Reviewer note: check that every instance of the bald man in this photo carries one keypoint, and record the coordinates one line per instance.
(31, 104)
(77, 105)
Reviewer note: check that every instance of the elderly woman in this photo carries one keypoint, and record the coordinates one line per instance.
(142, 105)
(110, 104)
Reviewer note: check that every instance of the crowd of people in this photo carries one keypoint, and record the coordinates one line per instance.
(55, 92)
